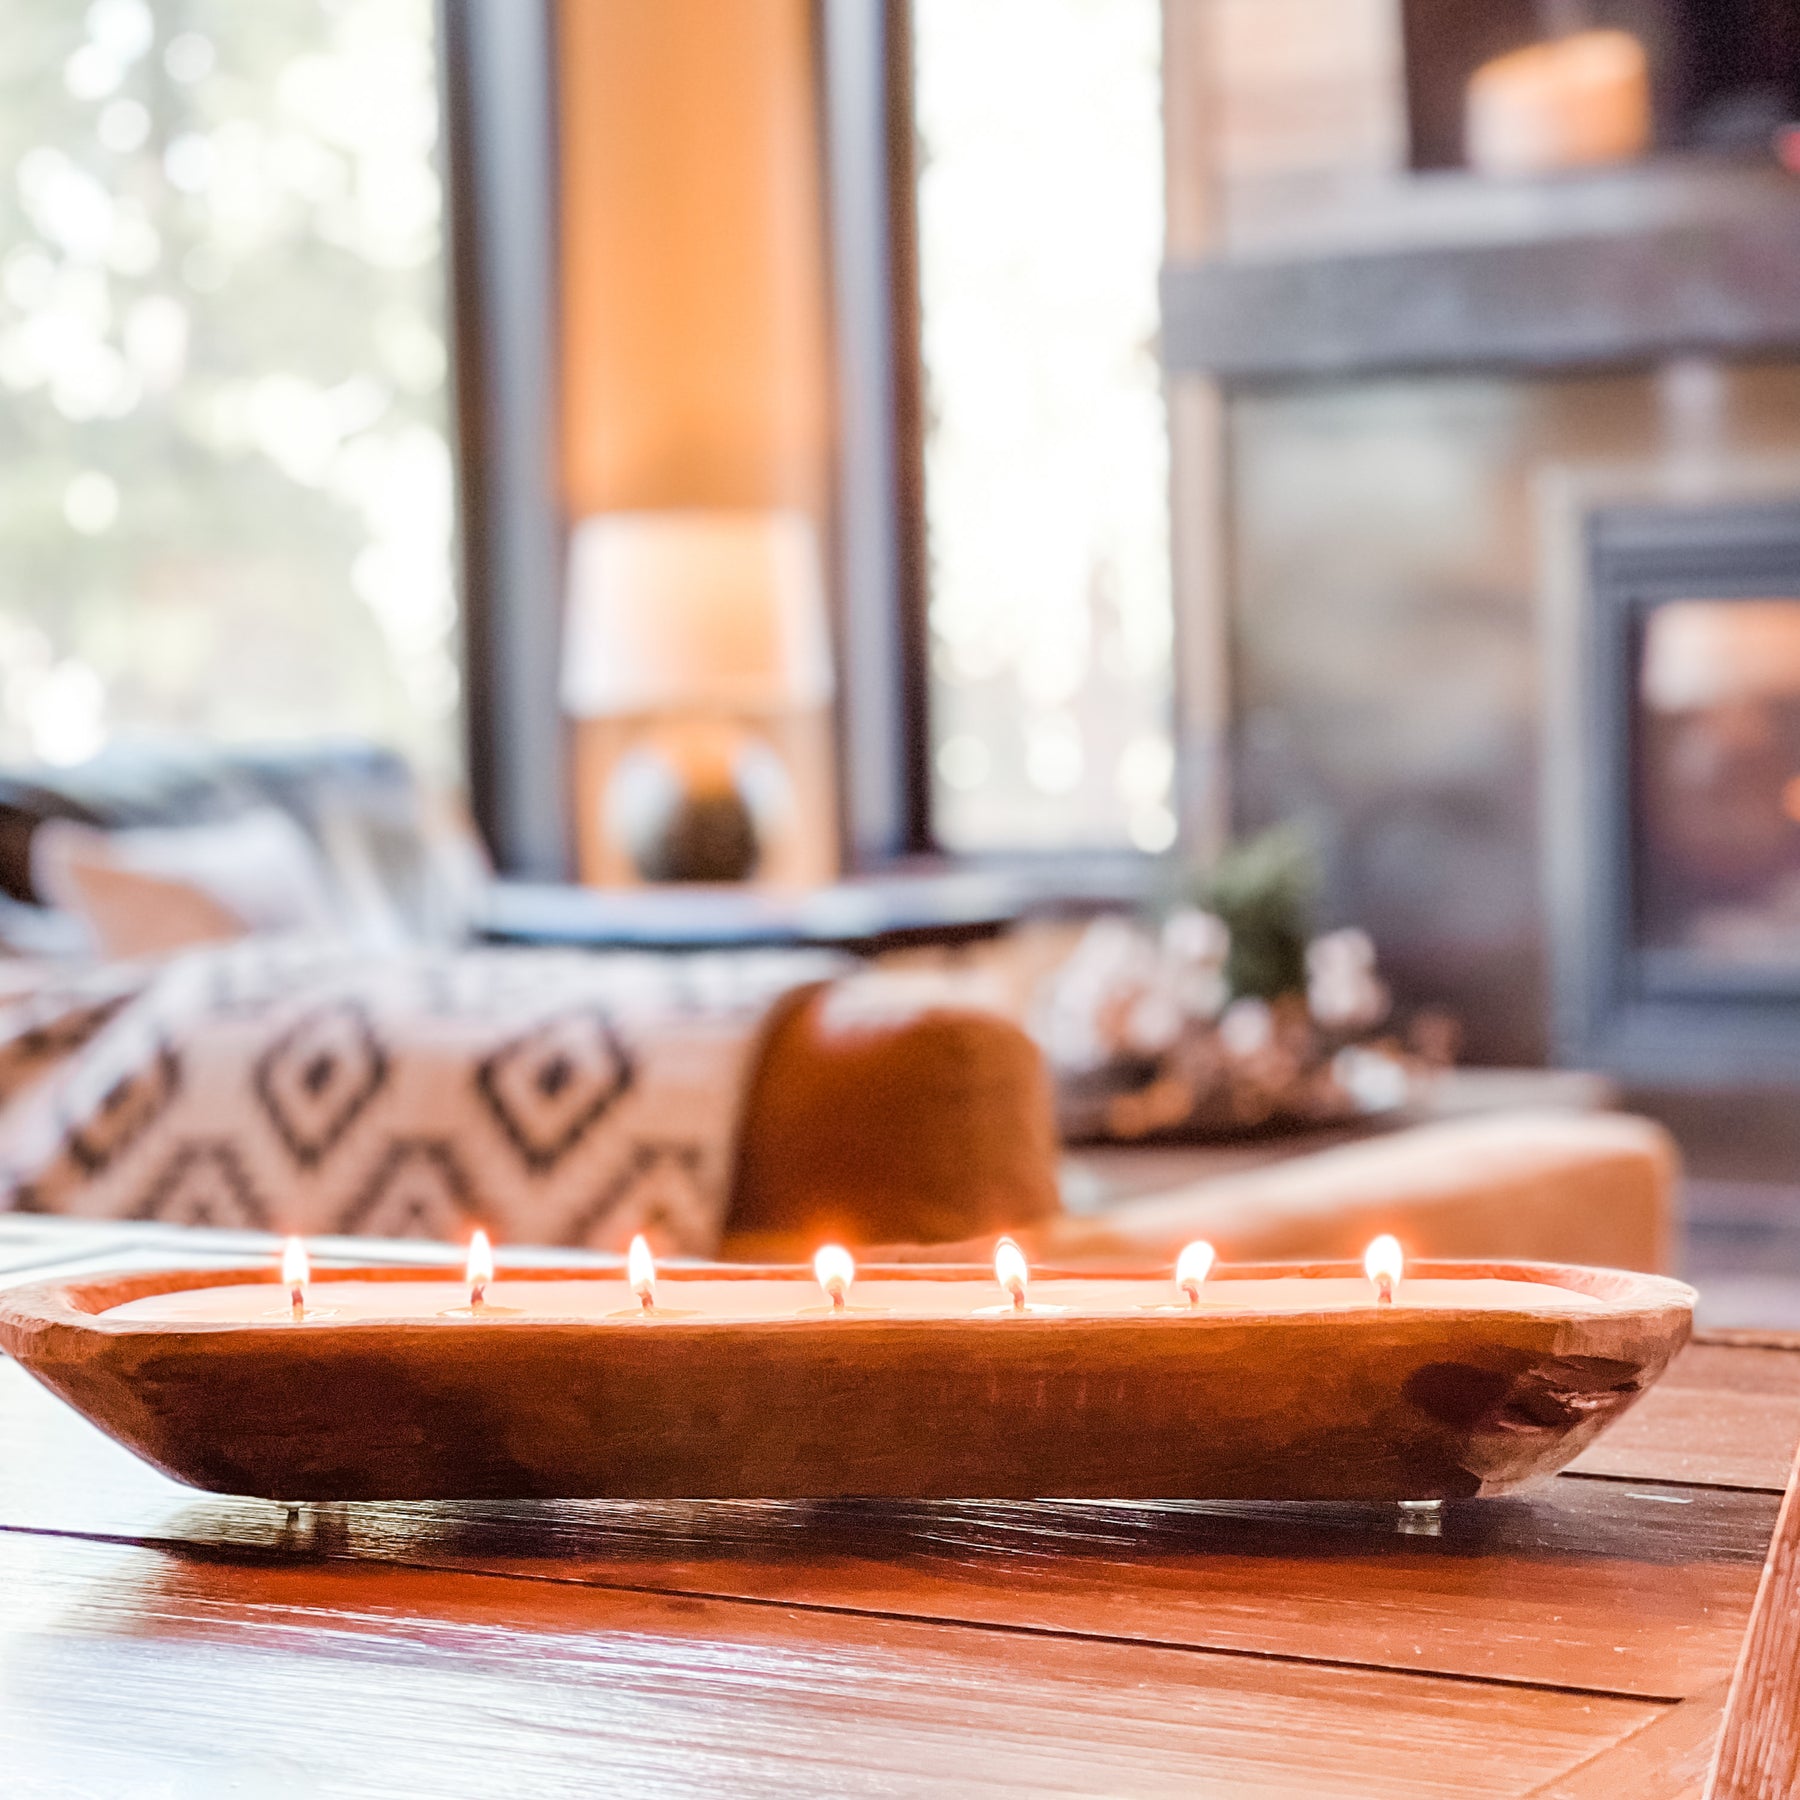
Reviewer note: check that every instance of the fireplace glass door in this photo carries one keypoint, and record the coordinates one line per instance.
(1716, 765)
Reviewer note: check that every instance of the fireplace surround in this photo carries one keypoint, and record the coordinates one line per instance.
(1385, 376)
(1672, 788)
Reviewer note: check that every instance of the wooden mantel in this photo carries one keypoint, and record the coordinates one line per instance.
(1455, 270)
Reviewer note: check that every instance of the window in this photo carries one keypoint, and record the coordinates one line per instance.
(228, 503)
(1040, 234)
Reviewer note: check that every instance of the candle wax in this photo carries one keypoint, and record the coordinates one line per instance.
(698, 1300)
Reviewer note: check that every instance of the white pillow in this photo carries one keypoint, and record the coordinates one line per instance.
(151, 889)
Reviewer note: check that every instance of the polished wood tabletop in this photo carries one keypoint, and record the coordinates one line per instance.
(1575, 1641)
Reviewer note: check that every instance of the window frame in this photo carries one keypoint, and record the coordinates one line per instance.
(496, 71)
(879, 524)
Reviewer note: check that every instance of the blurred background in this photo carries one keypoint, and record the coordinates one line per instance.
(1281, 515)
(230, 504)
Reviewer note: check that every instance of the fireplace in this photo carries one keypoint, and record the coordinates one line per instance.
(1673, 793)
(1376, 376)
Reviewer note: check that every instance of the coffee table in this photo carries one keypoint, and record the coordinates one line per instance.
(1574, 1642)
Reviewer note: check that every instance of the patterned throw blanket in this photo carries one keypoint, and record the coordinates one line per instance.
(299, 1086)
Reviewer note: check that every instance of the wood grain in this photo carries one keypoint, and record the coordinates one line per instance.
(1584, 1584)
(1720, 1416)
(1760, 1368)
(1571, 1642)
(1526, 281)
(1759, 1744)
(1383, 1404)
(1665, 1759)
(132, 1671)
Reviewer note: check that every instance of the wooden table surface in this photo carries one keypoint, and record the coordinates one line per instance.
(1577, 1642)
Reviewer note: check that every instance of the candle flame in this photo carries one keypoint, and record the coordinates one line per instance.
(1192, 1267)
(640, 1267)
(1011, 1270)
(295, 1273)
(1384, 1262)
(480, 1267)
(295, 1270)
(835, 1270)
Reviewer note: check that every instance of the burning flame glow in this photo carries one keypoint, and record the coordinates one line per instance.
(1011, 1270)
(1192, 1267)
(835, 1271)
(1384, 1262)
(295, 1270)
(294, 1274)
(640, 1267)
(480, 1267)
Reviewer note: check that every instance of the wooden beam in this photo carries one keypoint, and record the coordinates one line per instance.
(1448, 272)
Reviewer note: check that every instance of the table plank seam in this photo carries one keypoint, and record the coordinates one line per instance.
(1669, 1481)
(1749, 1337)
(184, 1549)
(1709, 1700)
(1599, 1756)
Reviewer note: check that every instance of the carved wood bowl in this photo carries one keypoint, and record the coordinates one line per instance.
(1378, 1404)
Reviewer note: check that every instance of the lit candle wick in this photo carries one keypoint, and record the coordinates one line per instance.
(1383, 1263)
(1192, 1267)
(835, 1270)
(640, 1266)
(480, 1270)
(295, 1273)
(1011, 1271)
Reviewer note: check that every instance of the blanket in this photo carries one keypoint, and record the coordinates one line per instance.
(302, 1086)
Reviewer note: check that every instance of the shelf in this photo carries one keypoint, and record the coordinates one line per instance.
(1455, 270)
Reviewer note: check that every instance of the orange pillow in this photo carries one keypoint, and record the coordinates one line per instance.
(887, 1108)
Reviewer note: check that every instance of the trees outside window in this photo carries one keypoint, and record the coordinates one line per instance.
(226, 491)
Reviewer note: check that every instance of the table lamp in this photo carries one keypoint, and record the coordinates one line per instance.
(696, 631)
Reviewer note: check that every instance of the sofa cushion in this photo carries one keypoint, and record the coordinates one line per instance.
(892, 1107)
(398, 859)
(297, 1086)
(1533, 1186)
(156, 888)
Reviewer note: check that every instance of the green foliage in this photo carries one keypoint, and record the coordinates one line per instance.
(1265, 890)
(223, 409)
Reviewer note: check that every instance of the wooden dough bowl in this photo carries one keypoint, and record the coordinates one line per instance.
(1383, 1403)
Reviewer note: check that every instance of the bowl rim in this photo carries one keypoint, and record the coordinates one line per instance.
(81, 1302)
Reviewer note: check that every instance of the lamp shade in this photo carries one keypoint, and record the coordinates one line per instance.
(695, 611)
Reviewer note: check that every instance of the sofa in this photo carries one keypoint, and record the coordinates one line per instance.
(924, 1126)
(749, 1106)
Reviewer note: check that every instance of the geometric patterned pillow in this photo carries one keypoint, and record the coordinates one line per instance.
(301, 1085)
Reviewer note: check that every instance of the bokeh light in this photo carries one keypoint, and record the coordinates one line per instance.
(1046, 459)
(230, 505)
